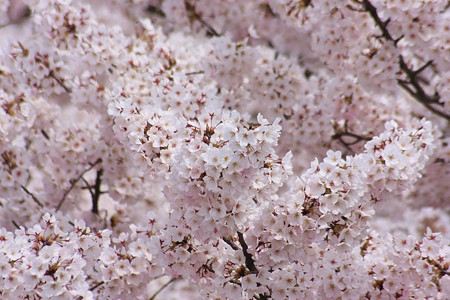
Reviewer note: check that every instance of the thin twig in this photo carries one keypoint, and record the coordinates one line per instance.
(339, 135)
(45, 134)
(194, 14)
(88, 186)
(195, 73)
(15, 224)
(346, 146)
(92, 288)
(162, 288)
(59, 81)
(405, 86)
(96, 286)
(32, 196)
(74, 182)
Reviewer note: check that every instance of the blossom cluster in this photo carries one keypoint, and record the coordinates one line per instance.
(65, 260)
(207, 149)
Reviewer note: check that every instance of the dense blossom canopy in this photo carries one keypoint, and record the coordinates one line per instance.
(224, 149)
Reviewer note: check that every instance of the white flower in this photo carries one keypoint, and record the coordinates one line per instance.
(122, 267)
(108, 256)
(333, 157)
(249, 282)
(12, 251)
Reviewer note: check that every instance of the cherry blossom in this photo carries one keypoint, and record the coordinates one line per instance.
(193, 149)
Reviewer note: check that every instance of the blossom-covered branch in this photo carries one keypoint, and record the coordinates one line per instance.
(209, 149)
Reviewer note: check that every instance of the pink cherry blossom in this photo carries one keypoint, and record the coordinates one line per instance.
(206, 149)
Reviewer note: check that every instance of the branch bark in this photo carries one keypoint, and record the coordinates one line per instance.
(249, 262)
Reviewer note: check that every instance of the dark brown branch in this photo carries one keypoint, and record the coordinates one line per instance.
(353, 135)
(156, 10)
(426, 65)
(96, 286)
(45, 134)
(346, 146)
(87, 187)
(249, 262)
(340, 135)
(97, 191)
(230, 243)
(412, 78)
(381, 24)
(262, 297)
(15, 224)
(74, 182)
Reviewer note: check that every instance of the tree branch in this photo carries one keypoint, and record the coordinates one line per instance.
(94, 190)
(249, 262)
(59, 81)
(230, 243)
(382, 25)
(416, 96)
(156, 10)
(193, 14)
(96, 286)
(97, 192)
(195, 73)
(32, 196)
(339, 135)
(417, 91)
(74, 182)
(162, 288)
(15, 224)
